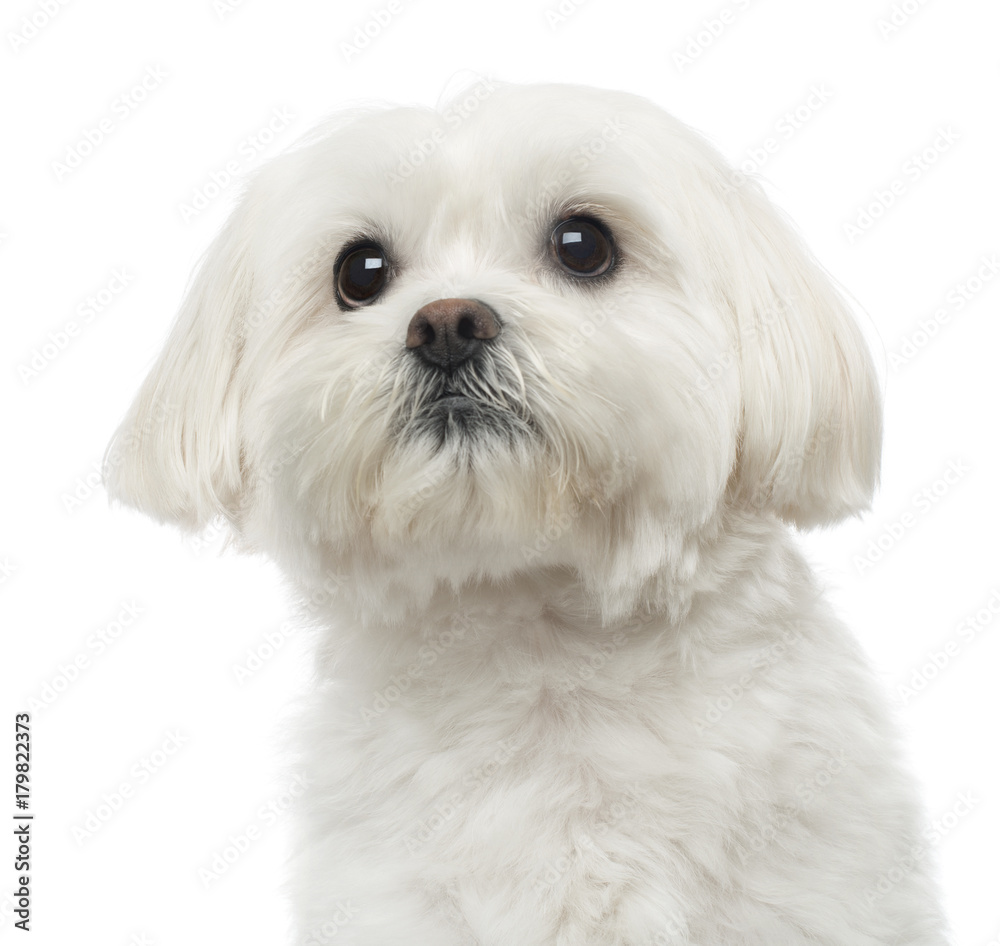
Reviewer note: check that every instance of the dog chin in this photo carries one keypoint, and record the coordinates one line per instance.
(458, 501)
(462, 470)
(464, 491)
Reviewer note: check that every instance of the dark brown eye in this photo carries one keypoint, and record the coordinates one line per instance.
(360, 274)
(582, 247)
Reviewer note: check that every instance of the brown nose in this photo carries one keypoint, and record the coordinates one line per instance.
(447, 332)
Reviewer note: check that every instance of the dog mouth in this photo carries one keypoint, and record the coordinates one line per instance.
(480, 401)
(454, 400)
(454, 415)
(459, 412)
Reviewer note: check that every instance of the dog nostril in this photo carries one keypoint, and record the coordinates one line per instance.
(420, 332)
(448, 332)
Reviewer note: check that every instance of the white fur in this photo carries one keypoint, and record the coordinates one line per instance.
(575, 683)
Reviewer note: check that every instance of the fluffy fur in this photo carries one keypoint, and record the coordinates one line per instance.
(576, 685)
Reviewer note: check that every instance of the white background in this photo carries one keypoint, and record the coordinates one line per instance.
(70, 565)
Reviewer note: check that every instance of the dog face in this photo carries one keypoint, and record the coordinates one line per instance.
(549, 332)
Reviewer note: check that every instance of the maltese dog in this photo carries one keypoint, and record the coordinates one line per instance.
(524, 395)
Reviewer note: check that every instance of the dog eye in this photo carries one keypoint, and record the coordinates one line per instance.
(582, 247)
(360, 274)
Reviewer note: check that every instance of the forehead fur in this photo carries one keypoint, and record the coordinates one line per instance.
(497, 166)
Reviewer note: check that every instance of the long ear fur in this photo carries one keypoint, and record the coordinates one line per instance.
(176, 456)
(812, 415)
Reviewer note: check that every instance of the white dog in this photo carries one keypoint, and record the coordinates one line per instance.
(523, 394)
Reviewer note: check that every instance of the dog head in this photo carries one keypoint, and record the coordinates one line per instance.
(543, 327)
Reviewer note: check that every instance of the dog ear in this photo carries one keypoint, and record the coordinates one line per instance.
(811, 433)
(176, 456)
